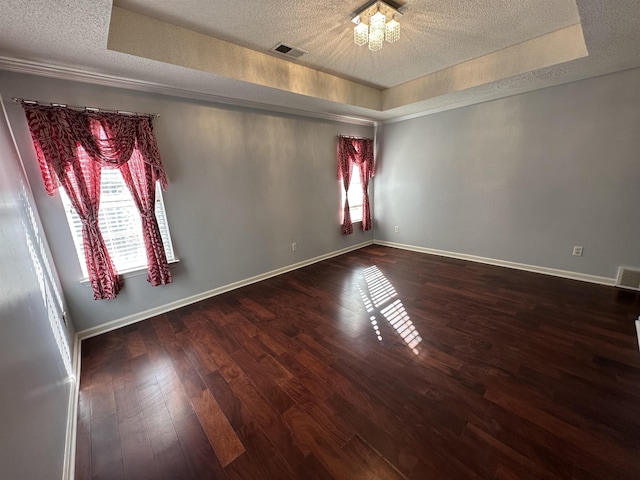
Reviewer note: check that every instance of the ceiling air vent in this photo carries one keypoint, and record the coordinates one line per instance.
(288, 50)
(628, 278)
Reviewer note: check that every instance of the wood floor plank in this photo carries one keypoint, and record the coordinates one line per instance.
(171, 463)
(103, 402)
(312, 469)
(261, 450)
(222, 438)
(244, 467)
(314, 439)
(228, 401)
(251, 345)
(269, 344)
(157, 419)
(125, 392)
(500, 456)
(303, 376)
(275, 369)
(388, 438)
(265, 384)
(268, 419)
(223, 337)
(606, 451)
(196, 353)
(225, 363)
(135, 344)
(137, 456)
(506, 375)
(370, 461)
(198, 453)
(106, 453)
(83, 447)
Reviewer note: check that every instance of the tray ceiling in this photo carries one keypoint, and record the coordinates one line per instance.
(435, 34)
(450, 53)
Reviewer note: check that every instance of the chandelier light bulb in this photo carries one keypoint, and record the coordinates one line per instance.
(392, 31)
(377, 21)
(376, 39)
(361, 34)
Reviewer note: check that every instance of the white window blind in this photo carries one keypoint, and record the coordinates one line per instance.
(354, 194)
(48, 285)
(120, 224)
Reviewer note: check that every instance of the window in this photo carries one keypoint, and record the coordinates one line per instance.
(48, 284)
(354, 194)
(114, 140)
(355, 169)
(120, 224)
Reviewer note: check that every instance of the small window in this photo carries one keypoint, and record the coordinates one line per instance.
(120, 224)
(355, 195)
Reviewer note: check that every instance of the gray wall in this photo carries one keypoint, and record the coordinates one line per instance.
(521, 179)
(34, 392)
(243, 185)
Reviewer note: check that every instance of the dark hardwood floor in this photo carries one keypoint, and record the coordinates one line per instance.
(378, 364)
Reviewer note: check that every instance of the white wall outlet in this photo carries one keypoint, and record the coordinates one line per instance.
(577, 251)
(294, 247)
(397, 229)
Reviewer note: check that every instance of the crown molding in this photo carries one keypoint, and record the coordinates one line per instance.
(67, 73)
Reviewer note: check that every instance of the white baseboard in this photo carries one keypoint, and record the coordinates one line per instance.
(137, 317)
(69, 465)
(583, 277)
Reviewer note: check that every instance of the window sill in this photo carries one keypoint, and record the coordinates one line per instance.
(132, 272)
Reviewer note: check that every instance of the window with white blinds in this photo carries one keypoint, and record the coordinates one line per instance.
(355, 195)
(120, 224)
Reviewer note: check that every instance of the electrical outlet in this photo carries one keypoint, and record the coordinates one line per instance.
(577, 251)
(397, 229)
(294, 247)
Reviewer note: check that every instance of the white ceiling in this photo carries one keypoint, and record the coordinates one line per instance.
(69, 38)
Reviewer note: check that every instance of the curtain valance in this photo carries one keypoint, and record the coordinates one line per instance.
(58, 131)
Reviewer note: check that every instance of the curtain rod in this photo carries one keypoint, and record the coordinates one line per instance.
(91, 109)
(356, 138)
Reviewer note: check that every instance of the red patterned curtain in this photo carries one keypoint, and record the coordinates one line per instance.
(344, 174)
(72, 149)
(139, 177)
(64, 161)
(359, 151)
(131, 144)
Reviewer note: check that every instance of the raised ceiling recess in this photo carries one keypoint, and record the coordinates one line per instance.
(434, 57)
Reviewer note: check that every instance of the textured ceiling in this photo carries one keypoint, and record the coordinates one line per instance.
(434, 34)
(442, 40)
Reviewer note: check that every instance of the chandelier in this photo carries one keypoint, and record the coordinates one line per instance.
(375, 23)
